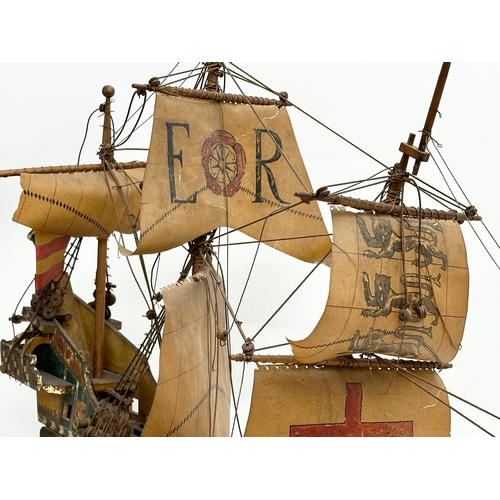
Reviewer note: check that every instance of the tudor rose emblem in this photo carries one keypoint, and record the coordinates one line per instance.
(224, 163)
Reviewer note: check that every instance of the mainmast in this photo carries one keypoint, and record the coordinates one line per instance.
(197, 247)
(214, 72)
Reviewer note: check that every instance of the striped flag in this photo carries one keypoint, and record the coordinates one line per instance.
(50, 249)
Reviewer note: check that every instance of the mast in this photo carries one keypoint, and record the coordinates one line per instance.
(420, 154)
(197, 246)
(433, 110)
(214, 72)
(100, 295)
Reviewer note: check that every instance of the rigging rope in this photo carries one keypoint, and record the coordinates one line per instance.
(409, 375)
(85, 135)
(293, 293)
(465, 196)
(320, 123)
(352, 187)
(278, 146)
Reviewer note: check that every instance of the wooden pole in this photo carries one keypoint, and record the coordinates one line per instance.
(433, 110)
(469, 214)
(102, 245)
(100, 307)
(342, 362)
(70, 168)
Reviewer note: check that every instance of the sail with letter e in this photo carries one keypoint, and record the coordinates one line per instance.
(221, 164)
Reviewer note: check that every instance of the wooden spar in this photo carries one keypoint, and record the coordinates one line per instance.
(343, 361)
(211, 95)
(433, 110)
(62, 169)
(389, 208)
(100, 282)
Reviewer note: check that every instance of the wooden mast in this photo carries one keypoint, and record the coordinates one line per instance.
(212, 84)
(433, 110)
(392, 203)
(102, 243)
(398, 175)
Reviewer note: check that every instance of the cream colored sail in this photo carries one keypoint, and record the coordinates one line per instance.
(215, 164)
(80, 204)
(338, 401)
(384, 273)
(193, 391)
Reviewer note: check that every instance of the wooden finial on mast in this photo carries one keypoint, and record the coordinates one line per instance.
(108, 92)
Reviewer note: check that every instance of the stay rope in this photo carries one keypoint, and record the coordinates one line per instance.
(409, 375)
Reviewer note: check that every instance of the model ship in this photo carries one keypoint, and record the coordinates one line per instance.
(221, 164)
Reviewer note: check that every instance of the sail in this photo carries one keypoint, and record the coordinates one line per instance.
(192, 395)
(80, 203)
(398, 287)
(214, 164)
(339, 401)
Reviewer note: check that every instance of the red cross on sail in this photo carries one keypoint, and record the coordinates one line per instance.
(347, 401)
(353, 426)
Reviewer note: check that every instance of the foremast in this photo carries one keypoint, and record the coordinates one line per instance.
(392, 202)
(420, 328)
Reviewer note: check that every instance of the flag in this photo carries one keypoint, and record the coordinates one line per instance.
(50, 249)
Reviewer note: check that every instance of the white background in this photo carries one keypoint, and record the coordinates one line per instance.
(39, 117)
(374, 105)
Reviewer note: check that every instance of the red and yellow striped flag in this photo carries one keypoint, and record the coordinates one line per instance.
(50, 249)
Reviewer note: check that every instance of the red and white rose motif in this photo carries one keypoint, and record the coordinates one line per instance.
(224, 162)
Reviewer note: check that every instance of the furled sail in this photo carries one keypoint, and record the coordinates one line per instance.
(192, 395)
(80, 203)
(346, 402)
(398, 287)
(219, 164)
